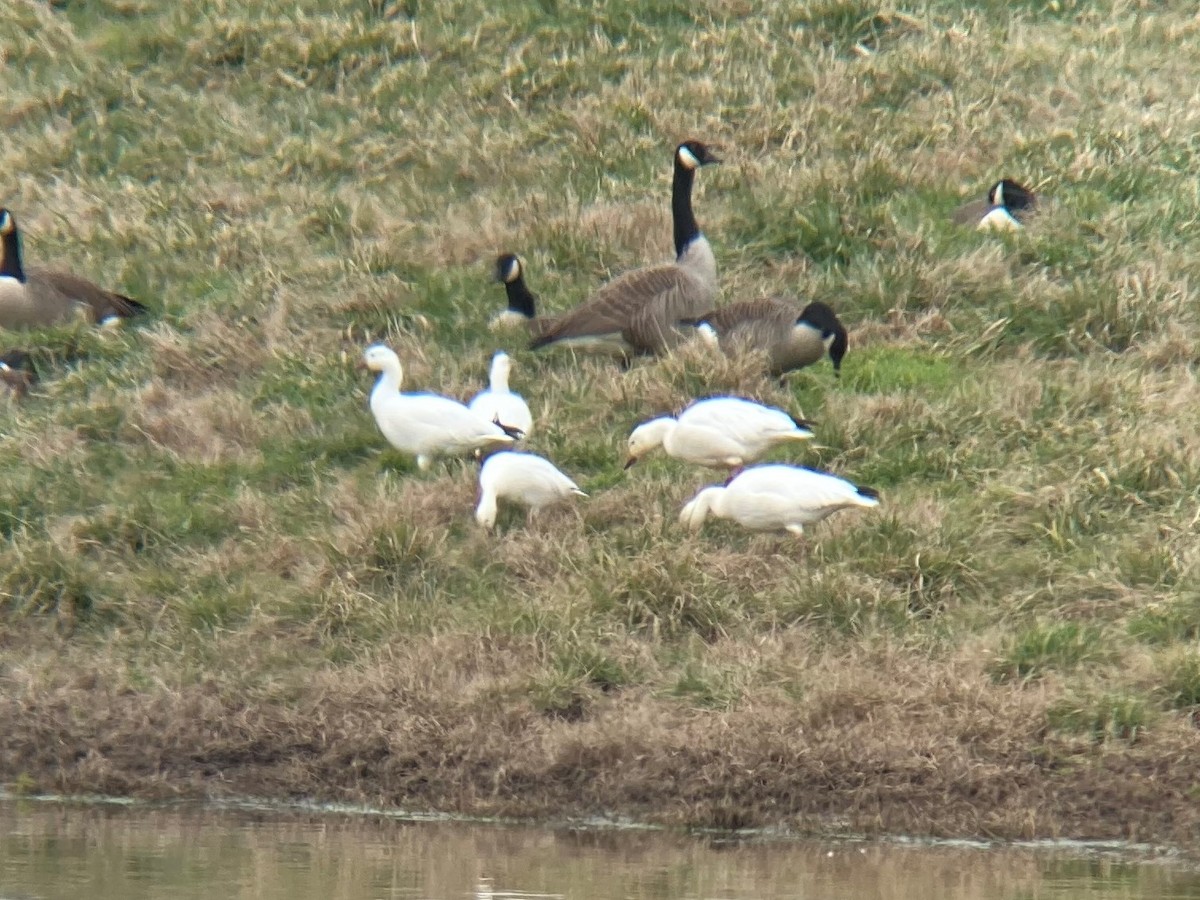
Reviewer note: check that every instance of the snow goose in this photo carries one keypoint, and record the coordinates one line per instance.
(31, 298)
(423, 424)
(639, 311)
(522, 478)
(720, 432)
(776, 498)
(791, 338)
(1007, 206)
(498, 403)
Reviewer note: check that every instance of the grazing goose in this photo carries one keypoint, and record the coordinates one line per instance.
(776, 498)
(790, 339)
(498, 403)
(521, 478)
(17, 373)
(510, 272)
(425, 425)
(638, 312)
(1006, 207)
(721, 433)
(36, 296)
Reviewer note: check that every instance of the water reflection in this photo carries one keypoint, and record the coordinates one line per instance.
(55, 850)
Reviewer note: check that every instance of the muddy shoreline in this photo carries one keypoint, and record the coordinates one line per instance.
(931, 765)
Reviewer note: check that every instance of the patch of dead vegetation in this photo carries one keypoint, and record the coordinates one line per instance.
(208, 428)
(883, 743)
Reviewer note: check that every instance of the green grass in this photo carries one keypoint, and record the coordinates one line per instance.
(286, 182)
(1180, 687)
(1040, 648)
(1104, 718)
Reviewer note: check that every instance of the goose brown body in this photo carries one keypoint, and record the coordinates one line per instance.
(38, 296)
(791, 338)
(1008, 205)
(17, 373)
(642, 311)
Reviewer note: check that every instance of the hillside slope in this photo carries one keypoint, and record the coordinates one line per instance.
(215, 579)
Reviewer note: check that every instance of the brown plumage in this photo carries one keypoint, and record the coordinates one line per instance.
(642, 311)
(39, 296)
(972, 212)
(637, 312)
(17, 373)
(791, 338)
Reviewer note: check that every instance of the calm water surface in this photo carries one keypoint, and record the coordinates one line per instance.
(58, 850)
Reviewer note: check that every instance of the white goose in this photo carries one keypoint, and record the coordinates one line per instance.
(721, 432)
(498, 403)
(776, 498)
(425, 425)
(520, 478)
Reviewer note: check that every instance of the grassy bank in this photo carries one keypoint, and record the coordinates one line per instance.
(215, 580)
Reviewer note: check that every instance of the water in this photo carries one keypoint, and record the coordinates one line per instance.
(104, 852)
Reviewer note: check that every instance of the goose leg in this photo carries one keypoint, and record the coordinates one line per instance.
(801, 543)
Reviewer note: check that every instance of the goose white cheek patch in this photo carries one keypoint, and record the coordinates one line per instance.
(688, 158)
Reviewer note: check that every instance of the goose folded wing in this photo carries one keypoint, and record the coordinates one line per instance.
(672, 300)
(971, 212)
(766, 310)
(79, 290)
(603, 316)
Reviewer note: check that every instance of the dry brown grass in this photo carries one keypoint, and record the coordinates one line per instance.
(881, 743)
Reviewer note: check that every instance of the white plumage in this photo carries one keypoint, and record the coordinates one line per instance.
(521, 478)
(423, 424)
(776, 498)
(498, 403)
(721, 432)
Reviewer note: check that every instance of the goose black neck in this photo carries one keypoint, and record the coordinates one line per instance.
(520, 298)
(837, 349)
(686, 229)
(10, 260)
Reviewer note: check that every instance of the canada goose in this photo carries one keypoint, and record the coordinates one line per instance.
(638, 311)
(17, 373)
(498, 403)
(720, 432)
(790, 339)
(776, 498)
(1007, 205)
(423, 424)
(37, 296)
(510, 272)
(521, 478)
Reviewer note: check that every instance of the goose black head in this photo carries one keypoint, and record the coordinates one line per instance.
(18, 361)
(17, 372)
(10, 247)
(508, 268)
(819, 316)
(1012, 195)
(694, 154)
